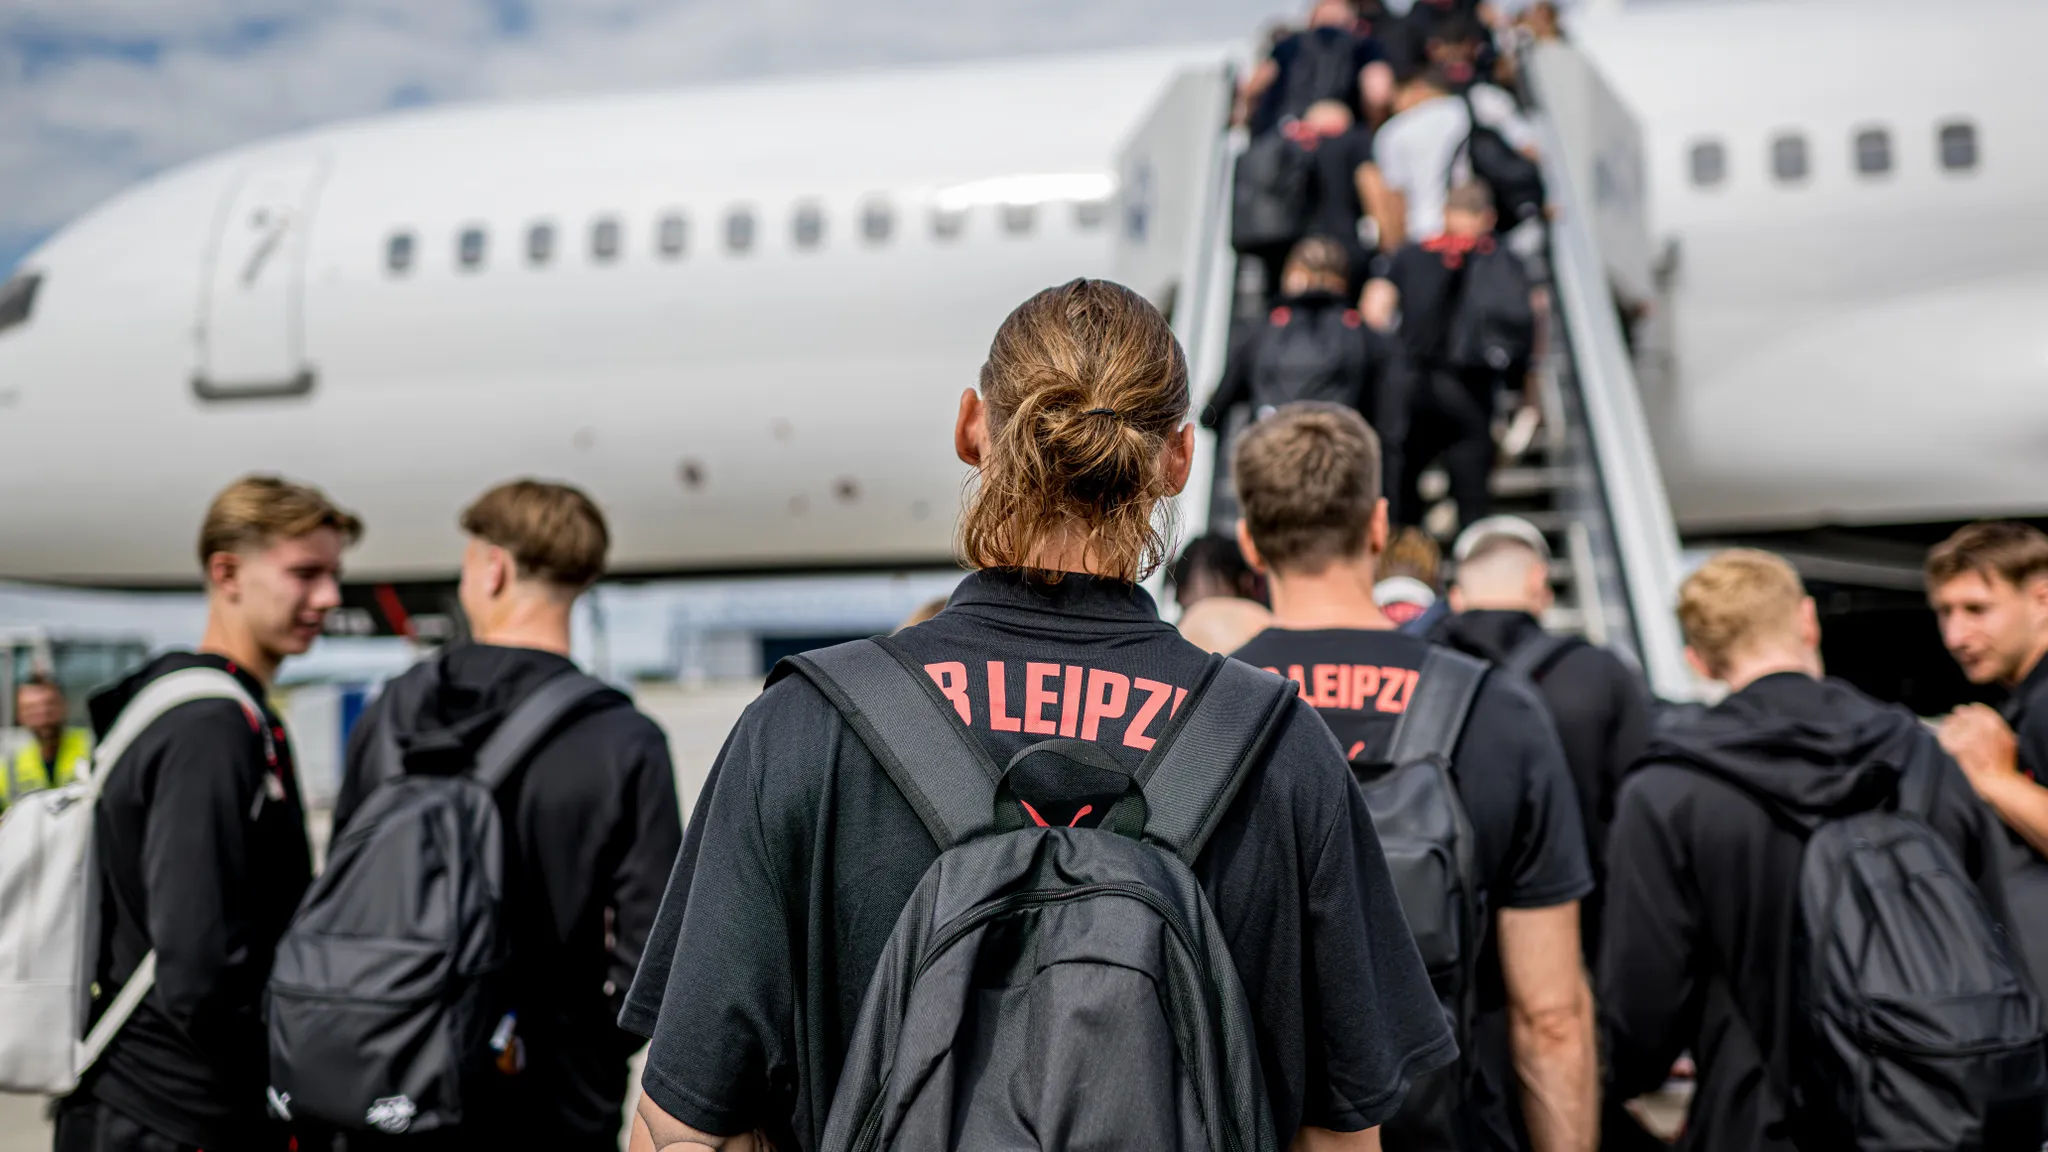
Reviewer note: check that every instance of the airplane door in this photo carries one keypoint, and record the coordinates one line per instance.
(251, 326)
(1166, 189)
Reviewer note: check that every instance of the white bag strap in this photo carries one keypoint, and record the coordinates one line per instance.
(159, 697)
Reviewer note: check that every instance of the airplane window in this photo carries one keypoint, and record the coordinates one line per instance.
(809, 226)
(672, 235)
(739, 230)
(1873, 152)
(604, 240)
(398, 253)
(948, 223)
(540, 244)
(18, 299)
(1709, 163)
(469, 249)
(877, 221)
(1089, 214)
(1788, 158)
(1958, 147)
(1018, 219)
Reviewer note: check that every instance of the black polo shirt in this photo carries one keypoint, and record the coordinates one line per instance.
(755, 972)
(2026, 879)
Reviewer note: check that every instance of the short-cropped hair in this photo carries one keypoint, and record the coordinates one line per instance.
(1738, 597)
(2018, 552)
(257, 511)
(1320, 256)
(1474, 196)
(554, 532)
(1308, 478)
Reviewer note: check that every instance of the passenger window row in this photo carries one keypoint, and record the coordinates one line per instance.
(671, 233)
(1870, 152)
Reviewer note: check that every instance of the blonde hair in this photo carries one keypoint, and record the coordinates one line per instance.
(554, 532)
(1738, 599)
(257, 511)
(1084, 385)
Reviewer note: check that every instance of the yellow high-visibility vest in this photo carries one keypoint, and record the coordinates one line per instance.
(27, 772)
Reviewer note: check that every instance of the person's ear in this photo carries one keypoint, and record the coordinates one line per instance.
(1250, 550)
(1180, 459)
(2037, 594)
(1698, 664)
(224, 571)
(1380, 530)
(1536, 590)
(1455, 598)
(1809, 624)
(970, 430)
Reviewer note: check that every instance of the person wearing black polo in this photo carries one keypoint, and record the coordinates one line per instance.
(802, 852)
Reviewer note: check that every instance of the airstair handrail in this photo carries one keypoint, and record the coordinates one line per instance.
(1638, 507)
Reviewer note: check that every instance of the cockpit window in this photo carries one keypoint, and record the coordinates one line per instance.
(18, 299)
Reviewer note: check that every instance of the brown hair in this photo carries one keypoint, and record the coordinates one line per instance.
(1737, 597)
(1084, 385)
(1412, 553)
(41, 680)
(2018, 552)
(1474, 196)
(257, 511)
(1308, 477)
(1321, 257)
(554, 532)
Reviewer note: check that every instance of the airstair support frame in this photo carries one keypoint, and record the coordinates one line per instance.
(1624, 466)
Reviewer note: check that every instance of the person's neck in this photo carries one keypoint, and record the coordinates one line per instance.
(1747, 670)
(1499, 604)
(1067, 552)
(538, 623)
(231, 640)
(49, 741)
(1339, 596)
(2033, 662)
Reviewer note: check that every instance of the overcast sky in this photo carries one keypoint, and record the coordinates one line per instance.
(99, 93)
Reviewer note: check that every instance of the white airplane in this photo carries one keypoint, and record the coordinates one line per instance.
(740, 316)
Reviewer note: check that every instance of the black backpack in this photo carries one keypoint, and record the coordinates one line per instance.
(1310, 354)
(1516, 180)
(1917, 1025)
(1036, 964)
(1432, 855)
(1325, 67)
(1491, 325)
(1534, 657)
(1273, 194)
(388, 995)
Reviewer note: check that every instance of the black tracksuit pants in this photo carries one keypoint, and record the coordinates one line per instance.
(1450, 420)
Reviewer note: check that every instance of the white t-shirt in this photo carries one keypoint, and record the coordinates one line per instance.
(1415, 150)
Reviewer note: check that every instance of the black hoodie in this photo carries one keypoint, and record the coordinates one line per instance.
(592, 827)
(1703, 863)
(1602, 711)
(200, 841)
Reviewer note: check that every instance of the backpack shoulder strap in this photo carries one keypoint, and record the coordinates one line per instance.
(1435, 717)
(531, 721)
(1195, 770)
(946, 775)
(158, 697)
(1534, 657)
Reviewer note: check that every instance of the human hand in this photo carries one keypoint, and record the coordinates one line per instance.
(1982, 743)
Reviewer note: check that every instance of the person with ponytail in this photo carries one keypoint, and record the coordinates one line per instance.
(802, 852)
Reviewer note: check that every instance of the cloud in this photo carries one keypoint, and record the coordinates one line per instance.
(101, 93)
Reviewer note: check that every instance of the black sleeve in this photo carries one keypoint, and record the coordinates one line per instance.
(355, 769)
(654, 828)
(210, 764)
(2033, 741)
(1382, 1026)
(1628, 735)
(1969, 825)
(1648, 992)
(1546, 864)
(1390, 387)
(716, 982)
(1235, 386)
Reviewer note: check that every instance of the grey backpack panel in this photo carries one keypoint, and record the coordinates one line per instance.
(1427, 838)
(388, 984)
(1919, 1026)
(1049, 986)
